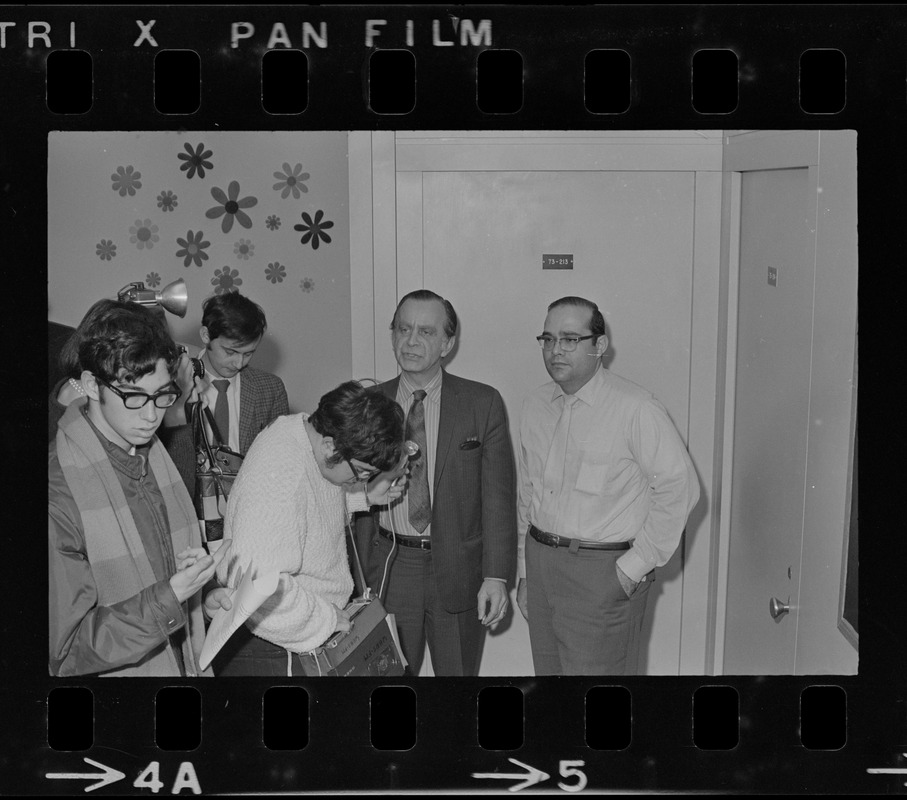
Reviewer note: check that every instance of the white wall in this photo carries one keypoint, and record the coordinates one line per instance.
(308, 341)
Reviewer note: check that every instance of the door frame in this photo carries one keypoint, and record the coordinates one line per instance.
(377, 157)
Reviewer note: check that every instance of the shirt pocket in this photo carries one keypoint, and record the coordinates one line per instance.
(593, 478)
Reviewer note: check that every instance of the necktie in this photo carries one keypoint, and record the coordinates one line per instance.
(557, 453)
(222, 411)
(419, 500)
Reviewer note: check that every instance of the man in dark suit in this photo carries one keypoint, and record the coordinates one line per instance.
(244, 400)
(441, 557)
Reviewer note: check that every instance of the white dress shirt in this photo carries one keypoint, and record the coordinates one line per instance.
(627, 473)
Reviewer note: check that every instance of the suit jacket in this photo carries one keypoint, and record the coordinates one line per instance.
(473, 525)
(262, 398)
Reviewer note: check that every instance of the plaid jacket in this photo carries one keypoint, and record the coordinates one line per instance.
(262, 398)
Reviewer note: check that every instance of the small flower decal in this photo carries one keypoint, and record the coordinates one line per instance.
(230, 207)
(307, 284)
(226, 280)
(195, 160)
(166, 201)
(276, 272)
(314, 229)
(192, 249)
(106, 249)
(244, 248)
(126, 181)
(143, 234)
(273, 222)
(291, 181)
(152, 279)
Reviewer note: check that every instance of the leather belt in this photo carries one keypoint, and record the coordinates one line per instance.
(553, 540)
(419, 542)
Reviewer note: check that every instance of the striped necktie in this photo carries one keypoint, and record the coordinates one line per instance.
(419, 499)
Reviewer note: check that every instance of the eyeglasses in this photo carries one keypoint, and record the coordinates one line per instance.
(568, 343)
(362, 477)
(136, 400)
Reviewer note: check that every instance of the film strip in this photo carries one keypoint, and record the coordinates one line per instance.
(709, 72)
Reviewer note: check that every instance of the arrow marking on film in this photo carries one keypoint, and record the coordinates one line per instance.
(887, 770)
(109, 775)
(529, 778)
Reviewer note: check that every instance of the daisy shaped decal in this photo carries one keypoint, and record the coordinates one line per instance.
(291, 181)
(243, 249)
(195, 160)
(106, 249)
(126, 181)
(307, 284)
(230, 207)
(314, 229)
(143, 234)
(192, 249)
(276, 272)
(273, 222)
(226, 280)
(153, 279)
(166, 200)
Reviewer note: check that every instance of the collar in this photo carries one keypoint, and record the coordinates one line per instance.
(586, 393)
(133, 464)
(432, 388)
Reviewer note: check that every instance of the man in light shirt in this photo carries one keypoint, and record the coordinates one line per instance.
(605, 489)
(443, 554)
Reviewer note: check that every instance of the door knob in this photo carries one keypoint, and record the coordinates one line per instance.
(778, 609)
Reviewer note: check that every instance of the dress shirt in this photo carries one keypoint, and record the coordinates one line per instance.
(232, 395)
(627, 473)
(396, 516)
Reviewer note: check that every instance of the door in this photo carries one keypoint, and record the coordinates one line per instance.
(791, 392)
(475, 230)
(770, 420)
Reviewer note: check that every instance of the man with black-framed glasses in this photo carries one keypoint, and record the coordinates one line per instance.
(605, 489)
(125, 557)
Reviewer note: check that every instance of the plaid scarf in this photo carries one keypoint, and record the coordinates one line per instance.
(118, 560)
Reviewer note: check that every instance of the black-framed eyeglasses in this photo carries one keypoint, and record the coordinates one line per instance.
(362, 477)
(568, 343)
(136, 400)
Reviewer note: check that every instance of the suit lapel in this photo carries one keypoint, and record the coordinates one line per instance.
(450, 413)
(248, 402)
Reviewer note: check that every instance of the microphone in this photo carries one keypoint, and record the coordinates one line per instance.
(412, 450)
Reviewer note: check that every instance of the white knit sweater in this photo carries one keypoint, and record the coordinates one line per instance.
(284, 515)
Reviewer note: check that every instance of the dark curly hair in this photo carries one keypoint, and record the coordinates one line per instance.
(365, 425)
(120, 341)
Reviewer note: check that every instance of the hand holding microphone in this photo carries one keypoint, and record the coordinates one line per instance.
(388, 486)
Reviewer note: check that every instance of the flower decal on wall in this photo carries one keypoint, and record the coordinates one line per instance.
(314, 229)
(230, 207)
(126, 181)
(106, 249)
(273, 222)
(307, 284)
(192, 249)
(166, 201)
(195, 160)
(276, 272)
(291, 181)
(153, 279)
(244, 248)
(226, 280)
(143, 234)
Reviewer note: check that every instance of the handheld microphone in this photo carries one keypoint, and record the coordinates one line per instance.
(411, 448)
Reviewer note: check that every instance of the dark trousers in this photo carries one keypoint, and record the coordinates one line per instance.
(246, 654)
(581, 621)
(411, 595)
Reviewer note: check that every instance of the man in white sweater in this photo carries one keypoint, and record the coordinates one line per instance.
(287, 512)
